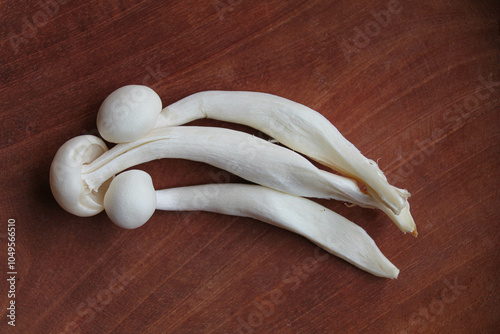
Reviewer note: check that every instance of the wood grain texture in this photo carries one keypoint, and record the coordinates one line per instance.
(417, 88)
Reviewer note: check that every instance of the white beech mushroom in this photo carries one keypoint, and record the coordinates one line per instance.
(323, 227)
(249, 157)
(296, 126)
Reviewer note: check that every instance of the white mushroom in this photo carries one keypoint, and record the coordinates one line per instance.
(323, 227)
(298, 127)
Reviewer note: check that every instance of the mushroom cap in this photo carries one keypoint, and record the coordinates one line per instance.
(130, 199)
(128, 113)
(66, 180)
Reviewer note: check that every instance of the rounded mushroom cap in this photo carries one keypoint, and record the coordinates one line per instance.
(128, 113)
(130, 199)
(66, 176)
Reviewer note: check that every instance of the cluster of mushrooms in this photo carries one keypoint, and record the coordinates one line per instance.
(84, 180)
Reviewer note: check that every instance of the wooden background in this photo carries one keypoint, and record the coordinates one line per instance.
(418, 89)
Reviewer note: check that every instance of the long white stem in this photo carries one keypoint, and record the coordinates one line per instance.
(322, 226)
(249, 157)
(292, 124)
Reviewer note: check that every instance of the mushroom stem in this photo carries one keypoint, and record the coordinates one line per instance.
(128, 204)
(320, 225)
(249, 157)
(292, 124)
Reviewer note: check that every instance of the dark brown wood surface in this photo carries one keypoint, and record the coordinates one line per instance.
(415, 84)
